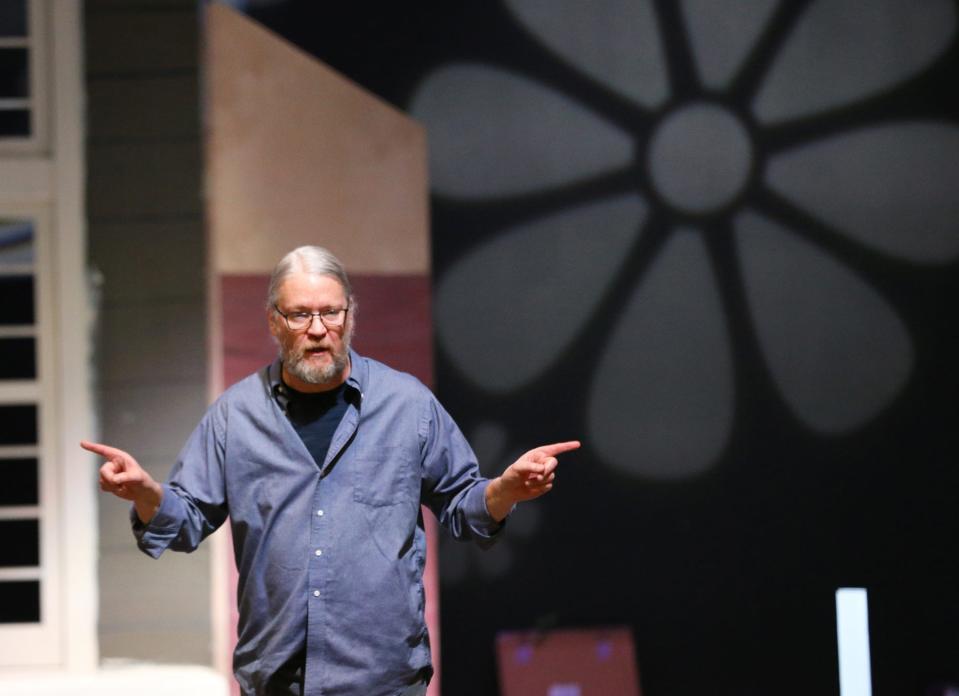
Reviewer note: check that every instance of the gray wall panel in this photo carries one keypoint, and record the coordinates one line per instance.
(147, 244)
(168, 268)
(139, 108)
(162, 583)
(160, 341)
(143, 181)
(144, 39)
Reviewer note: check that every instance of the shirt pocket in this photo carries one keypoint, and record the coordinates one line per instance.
(386, 487)
(389, 476)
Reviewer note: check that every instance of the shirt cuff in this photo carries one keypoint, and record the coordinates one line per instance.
(164, 521)
(481, 521)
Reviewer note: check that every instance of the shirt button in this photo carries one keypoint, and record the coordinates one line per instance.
(319, 513)
(318, 552)
(316, 593)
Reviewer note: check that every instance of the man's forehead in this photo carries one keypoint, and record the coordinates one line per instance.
(311, 287)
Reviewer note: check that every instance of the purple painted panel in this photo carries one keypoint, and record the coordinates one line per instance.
(394, 324)
(247, 345)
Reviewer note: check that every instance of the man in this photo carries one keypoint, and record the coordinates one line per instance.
(321, 461)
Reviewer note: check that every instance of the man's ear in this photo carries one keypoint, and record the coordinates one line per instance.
(272, 320)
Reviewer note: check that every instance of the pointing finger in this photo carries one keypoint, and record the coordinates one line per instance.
(558, 448)
(103, 450)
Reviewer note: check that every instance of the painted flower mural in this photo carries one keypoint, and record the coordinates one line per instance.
(717, 197)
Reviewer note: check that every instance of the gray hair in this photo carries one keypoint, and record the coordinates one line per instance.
(314, 260)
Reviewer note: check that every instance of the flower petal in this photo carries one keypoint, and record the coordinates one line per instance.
(844, 50)
(615, 42)
(661, 404)
(496, 306)
(495, 133)
(893, 188)
(721, 35)
(837, 351)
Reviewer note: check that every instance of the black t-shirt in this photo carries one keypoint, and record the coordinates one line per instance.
(315, 417)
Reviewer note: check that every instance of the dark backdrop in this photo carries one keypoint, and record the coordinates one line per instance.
(734, 278)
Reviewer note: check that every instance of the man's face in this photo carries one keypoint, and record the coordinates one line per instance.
(316, 355)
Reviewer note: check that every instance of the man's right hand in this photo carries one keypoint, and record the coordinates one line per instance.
(123, 476)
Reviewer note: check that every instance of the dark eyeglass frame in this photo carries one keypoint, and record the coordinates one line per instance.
(330, 318)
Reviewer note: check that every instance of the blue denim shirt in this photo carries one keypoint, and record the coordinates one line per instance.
(332, 554)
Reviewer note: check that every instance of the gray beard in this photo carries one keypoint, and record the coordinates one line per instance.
(295, 363)
(297, 366)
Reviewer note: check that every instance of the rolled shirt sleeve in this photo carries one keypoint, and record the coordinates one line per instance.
(453, 487)
(194, 500)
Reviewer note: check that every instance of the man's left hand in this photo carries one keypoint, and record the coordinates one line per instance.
(528, 477)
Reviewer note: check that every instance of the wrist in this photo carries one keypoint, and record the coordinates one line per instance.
(498, 504)
(148, 503)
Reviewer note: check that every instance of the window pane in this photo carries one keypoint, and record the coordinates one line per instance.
(20, 601)
(13, 18)
(21, 482)
(15, 123)
(16, 300)
(17, 358)
(16, 241)
(14, 73)
(21, 543)
(19, 425)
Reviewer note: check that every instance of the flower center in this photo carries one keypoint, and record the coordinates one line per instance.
(699, 158)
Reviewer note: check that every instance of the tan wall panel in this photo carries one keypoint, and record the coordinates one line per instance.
(303, 156)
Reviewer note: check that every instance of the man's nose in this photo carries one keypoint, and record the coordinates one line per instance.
(316, 327)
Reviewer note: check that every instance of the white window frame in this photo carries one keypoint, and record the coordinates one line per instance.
(42, 179)
(38, 17)
(31, 644)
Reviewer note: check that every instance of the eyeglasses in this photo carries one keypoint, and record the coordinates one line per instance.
(300, 321)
